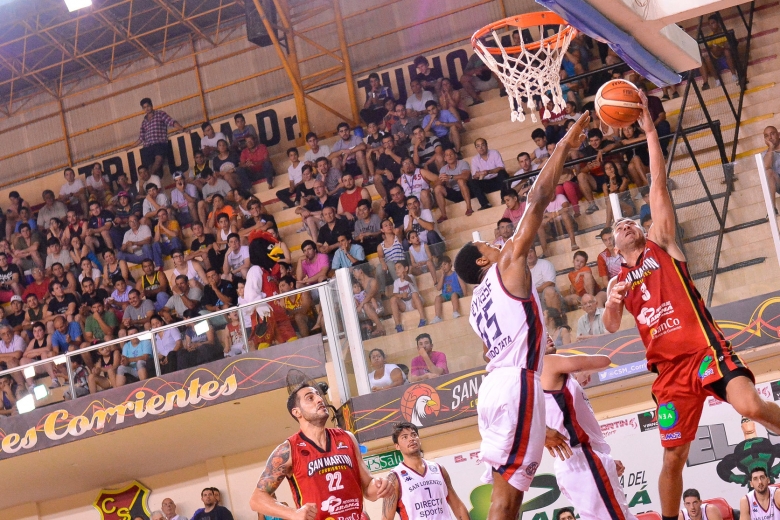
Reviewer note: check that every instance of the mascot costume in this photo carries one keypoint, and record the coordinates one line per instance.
(270, 323)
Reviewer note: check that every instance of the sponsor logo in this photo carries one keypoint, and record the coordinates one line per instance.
(671, 436)
(647, 421)
(334, 505)
(650, 316)
(531, 469)
(705, 370)
(669, 325)
(434, 469)
(420, 404)
(667, 416)
(613, 427)
(329, 464)
(342, 446)
(302, 444)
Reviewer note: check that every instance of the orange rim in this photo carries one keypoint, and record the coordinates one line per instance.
(524, 21)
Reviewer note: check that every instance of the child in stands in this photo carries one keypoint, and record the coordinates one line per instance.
(451, 290)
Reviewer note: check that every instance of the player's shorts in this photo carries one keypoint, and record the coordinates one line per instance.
(589, 480)
(684, 384)
(511, 423)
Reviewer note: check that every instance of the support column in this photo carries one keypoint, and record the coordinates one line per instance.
(199, 81)
(65, 132)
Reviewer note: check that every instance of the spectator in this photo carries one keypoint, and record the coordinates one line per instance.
(202, 247)
(350, 197)
(154, 136)
(211, 510)
(157, 515)
(385, 375)
(258, 220)
(154, 201)
(90, 293)
(184, 200)
(27, 249)
(451, 289)
(137, 243)
(443, 125)
(103, 373)
(186, 296)
(34, 313)
(583, 282)
(367, 232)
(590, 325)
(236, 260)
(505, 229)
(218, 294)
(390, 118)
(556, 213)
(347, 254)
(406, 296)
(167, 237)
(451, 101)
(101, 325)
(25, 217)
(565, 513)
(80, 379)
(311, 212)
(169, 507)
(11, 350)
(73, 192)
(79, 251)
(313, 267)
(51, 208)
(240, 133)
(256, 159)
(559, 331)
(99, 186)
(123, 208)
(402, 129)
(74, 227)
(428, 363)
(15, 316)
(554, 128)
(120, 296)
(221, 208)
(618, 185)
(543, 275)
(514, 208)
(388, 167)
(374, 108)
(300, 308)
(389, 249)
(38, 287)
(12, 213)
(66, 278)
(330, 172)
(415, 104)
(168, 344)
(395, 209)
(153, 285)
(138, 313)
(113, 267)
(477, 78)
(352, 151)
(368, 299)
(8, 389)
(327, 236)
(39, 348)
(227, 166)
(540, 152)
(487, 171)
(10, 280)
(697, 511)
(200, 345)
(430, 79)
(608, 260)
(124, 184)
(420, 257)
(454, 184)
(55, 230)
(67, 335)
(638, 159)
(136, 354)
(591, 177)
(316, 150)
(426, 152)
(415, 182)
(144, 178)
(208, 143)
(88, 270)
(99, 236)
(61, 302)
(717, 57)
(646, 222)
(295, 177)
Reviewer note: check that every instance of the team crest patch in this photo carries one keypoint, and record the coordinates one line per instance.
(433, 469)
(122, 504)
(531, 469)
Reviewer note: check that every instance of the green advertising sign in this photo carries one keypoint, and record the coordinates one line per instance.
(383, 461)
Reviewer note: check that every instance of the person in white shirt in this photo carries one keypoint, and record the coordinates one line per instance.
(415, 104)
(208, 143)
(184, 200)
(155, 200)
(315, 151)
(73, 191)
(295, 177)
(543, 276)
(137, 243)
(487, 171)
(144, 178)
(415, 181)
(236, 259)
(169, 509)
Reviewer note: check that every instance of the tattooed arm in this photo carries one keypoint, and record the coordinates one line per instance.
(390, 503)
(278, 467)
(456, 504)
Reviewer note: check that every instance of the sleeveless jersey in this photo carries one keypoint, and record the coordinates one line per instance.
(422, 497)
(349, 201)
(153, 284)
(759, 513)
(328, 478)
(511, 328)
(686, 516)
(568, 411)
(668, 309)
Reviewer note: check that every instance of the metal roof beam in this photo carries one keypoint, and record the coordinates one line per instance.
(184, 21)
(112, 23)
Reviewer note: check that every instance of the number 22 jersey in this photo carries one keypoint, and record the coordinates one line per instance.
(329, 478)
(511, 328)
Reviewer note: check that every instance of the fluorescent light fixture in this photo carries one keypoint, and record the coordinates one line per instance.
(29, 372)
(201, 327)
(75, 5)
(40, 392)
(26, 404)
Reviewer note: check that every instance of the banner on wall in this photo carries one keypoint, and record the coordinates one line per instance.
(725, 450)
(183, 391)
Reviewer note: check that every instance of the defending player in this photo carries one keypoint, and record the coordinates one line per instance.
(685, 346)
(763, 502)
(323, 465)
(506, 314)
(590, 478)
(693, 509)
(419, 489)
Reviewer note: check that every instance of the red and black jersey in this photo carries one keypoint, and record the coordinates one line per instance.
(670, 313)
(328, 478)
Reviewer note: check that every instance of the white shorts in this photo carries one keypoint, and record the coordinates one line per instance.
(590, 482)
(512, 425)
(408, 304)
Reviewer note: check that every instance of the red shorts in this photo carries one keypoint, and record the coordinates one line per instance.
(683, 385)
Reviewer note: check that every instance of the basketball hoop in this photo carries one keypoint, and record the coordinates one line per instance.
(527, 70)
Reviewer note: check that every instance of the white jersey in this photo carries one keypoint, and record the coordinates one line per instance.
(686, 516)
(512, 328)
(759, 513)
(422, 497)
(569, 412)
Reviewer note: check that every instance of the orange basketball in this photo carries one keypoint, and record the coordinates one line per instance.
(618, 104)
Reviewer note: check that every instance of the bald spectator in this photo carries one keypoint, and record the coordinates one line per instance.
(590, 324)
(73, 193)
(169, 508)
(154, 136)
(52, 208)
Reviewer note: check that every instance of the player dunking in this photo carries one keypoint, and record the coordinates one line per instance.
(589, 478)
(419, 489)
(506, 314)
(685, 346)
(323, 465)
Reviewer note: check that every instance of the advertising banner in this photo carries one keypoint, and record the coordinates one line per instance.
(137, 403)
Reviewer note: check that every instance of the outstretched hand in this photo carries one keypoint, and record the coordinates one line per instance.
(645, 120)
(576, 134)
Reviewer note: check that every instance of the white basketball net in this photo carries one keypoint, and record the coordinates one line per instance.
(531, 73)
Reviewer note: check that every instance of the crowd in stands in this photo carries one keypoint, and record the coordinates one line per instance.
(68, 275)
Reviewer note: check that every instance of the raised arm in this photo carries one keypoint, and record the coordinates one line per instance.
(662, 231)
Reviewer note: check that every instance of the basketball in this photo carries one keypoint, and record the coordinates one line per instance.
(618, 104)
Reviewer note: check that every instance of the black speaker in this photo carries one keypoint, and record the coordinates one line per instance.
(255, 30)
